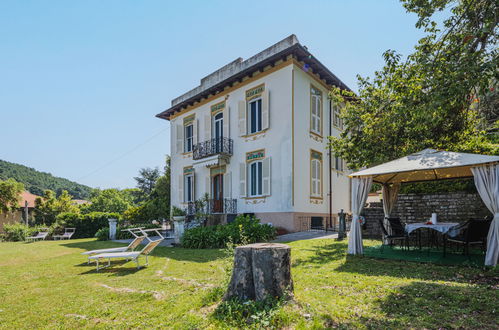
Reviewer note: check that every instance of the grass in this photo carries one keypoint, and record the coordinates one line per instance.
(49, 285)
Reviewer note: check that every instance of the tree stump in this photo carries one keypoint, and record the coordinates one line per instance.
(261, 270)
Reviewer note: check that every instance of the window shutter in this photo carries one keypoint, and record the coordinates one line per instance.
(180, 138)
(194, 132)
(226, 127)
(242, 118)
(193, 186)
(319, 114)
(266, 176)
(228, 185)
(265, 109)
(181, 189)
(242, 179)
(207, 186)
(207, 127)
(173, 141)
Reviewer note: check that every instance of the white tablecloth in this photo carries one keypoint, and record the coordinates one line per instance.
(442, 227)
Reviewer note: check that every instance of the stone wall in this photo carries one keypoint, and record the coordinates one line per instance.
(450, 207)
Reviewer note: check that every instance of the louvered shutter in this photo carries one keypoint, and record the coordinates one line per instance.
(180, 139)
(228, 185)
(207, 127)
(193, 186)
(242, 179)
(241, 112)
(181, 189)
(266, 180)
(226, 119)
(265, 109)
(194, 132)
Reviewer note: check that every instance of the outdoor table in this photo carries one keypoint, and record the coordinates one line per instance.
(442, 227)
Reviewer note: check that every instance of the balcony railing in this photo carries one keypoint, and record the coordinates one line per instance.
(213, 206)
(213, 147)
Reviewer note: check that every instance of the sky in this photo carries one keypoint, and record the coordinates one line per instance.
(81, 81)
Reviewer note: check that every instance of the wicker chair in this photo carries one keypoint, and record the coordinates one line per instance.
(398, 230)
(473, 232)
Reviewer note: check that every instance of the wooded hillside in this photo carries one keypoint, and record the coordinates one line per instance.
(36, 182)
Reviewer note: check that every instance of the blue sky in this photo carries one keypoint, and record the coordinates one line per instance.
(81, 81)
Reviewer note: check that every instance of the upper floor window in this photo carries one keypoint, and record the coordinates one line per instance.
(254, 175)
(255, 116)
(188, 137)
(315, 110)
(337, 121)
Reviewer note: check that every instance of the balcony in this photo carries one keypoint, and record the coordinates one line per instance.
(216, 146)
(213, 206)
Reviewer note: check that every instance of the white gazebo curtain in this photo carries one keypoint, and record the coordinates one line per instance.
(360, 190)
(390, 195)
(487, 184)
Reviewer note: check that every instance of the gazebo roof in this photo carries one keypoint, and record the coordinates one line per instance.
(426, 165)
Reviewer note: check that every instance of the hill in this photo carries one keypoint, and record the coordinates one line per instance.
(36, 182)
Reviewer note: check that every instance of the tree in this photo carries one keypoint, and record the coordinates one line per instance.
(147, 180)
(108, 200)
(10, 195)
(439, 97)
(49, 206)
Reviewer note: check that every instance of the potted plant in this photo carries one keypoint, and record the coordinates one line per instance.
(177, 214)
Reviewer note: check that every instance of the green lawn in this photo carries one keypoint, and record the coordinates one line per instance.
(49, 285)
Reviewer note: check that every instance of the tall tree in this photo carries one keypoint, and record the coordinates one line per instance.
(10, 195)
(147, 180)
(439, 97)
(49, 206)
(108, 200)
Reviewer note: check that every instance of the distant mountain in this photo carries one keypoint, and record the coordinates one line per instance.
(36, 182)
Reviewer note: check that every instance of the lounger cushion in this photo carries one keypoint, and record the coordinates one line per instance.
(120, 249)
(116, 255)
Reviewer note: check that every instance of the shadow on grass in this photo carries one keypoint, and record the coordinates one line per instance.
(422, 305)
(322, 254)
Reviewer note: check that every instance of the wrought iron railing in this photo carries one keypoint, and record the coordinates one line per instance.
(212, 147)
(213, 206)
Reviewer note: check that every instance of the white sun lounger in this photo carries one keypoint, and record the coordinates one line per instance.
(134, 255)
(68, 232)
(41, 235)
(136, 242)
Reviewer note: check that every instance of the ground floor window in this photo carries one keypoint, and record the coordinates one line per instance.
(189, 187)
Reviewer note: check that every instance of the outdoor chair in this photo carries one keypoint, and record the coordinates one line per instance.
(41, 235)
(473, 232)
(126, 255)
(68, 232)
(396, 236)
(132, 246)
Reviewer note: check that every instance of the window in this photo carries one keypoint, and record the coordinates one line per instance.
(338, 164)
(255, 116)
(337, 121)
(316, 111)
(255, 178)
(189, 187)
(315, 174)
(188, 137)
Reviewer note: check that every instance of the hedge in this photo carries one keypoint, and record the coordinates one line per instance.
(244, 229)
(86, 225)
(18, 232)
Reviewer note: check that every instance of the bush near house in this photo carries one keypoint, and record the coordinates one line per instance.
(18, 232)
(244, 229)
(86, 225)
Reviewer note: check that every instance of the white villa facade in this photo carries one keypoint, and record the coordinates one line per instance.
(253, 136)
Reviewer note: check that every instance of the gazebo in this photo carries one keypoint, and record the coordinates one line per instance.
(428, 165)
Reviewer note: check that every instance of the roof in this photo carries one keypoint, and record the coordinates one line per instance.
(238, 69)
(29, 197)
(427, 165)
(80, 202)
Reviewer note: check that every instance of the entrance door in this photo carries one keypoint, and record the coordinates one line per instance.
(218, 131)
(218, 194)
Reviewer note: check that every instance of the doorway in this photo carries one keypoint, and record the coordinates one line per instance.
(218, 131)
(218, 194)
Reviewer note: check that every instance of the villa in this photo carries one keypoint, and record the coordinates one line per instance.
(253, 136)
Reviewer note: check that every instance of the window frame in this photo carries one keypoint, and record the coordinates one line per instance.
(258, 116)
(316, 167)
(188, 139)
(338, 164)
(259, 180)
(189, 184)
(317, 105)
(337, 121)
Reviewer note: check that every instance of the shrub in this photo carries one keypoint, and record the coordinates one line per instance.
(244, 229)
(18, 232)
(102, 234)
(86, 225)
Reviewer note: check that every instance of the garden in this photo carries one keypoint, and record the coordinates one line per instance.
(50, 285)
